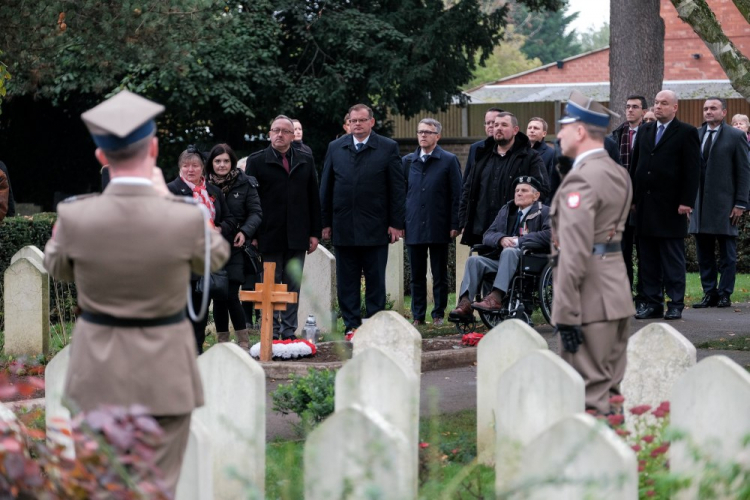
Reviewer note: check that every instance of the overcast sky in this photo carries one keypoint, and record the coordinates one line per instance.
(592, 13)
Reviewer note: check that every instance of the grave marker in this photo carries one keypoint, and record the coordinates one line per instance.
(196, 475)
(394, 275)
(26, 302)
(395, 336)
(57, 416)
(318, 291)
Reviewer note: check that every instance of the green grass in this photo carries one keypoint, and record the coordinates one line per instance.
(447, 467)
(694, 291)
(728, 343)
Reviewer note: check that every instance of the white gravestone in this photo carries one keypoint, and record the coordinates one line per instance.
(395, 336)
(318, 291)
(496, 352)
(372, 380)
(26, 298)
(196, 474)
(57, 416)
(578, 457)
(356, 454)
(462, 255)
(536, 392)
(394, 275)
(234, 388)
(711, 403)
(658, 355)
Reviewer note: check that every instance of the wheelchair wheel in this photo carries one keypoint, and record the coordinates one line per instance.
(491, 319)
(464, 326)
(545, 293)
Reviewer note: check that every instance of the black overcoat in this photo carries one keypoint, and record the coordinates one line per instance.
(726, 184)
(666, 175)
(290, 201)
(223, 219)
(362, 193)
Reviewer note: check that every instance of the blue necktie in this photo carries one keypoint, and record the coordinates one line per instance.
(360, 145)
(659, 133)
(424, 158)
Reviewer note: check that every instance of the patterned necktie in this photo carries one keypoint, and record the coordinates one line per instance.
(359, 145)
(631, 133)
(424, 158)
(659, 133)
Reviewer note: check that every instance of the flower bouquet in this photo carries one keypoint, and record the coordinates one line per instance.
(287, 349)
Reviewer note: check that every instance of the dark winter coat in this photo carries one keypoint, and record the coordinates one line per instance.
(726, 184)
(362, 193)
(536, 223)
(666, 176)
(223, 218)
(433, 191)
(290, 201)
(523, 161)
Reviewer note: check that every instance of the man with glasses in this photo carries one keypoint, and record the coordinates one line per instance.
(625, 137)
(291, 225)
(433, 190)
(362, 196)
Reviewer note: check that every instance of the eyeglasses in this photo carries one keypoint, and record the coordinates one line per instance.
(632, 106)
(359, 120)
(281, 131)
(426, 132)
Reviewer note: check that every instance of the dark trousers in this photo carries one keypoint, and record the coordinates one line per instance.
(439, 266)
(231, 307)
(288, 271)
(630, 240)
(662, 268)
(727, 264)
(252, 315)
(351, 264)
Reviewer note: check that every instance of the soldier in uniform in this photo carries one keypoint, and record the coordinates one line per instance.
(592, 304)
(132, 342)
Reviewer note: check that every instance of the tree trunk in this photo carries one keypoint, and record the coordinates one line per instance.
(636, 52)
(701, 18)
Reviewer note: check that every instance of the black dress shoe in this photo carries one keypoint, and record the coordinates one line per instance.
(709, 300)
(673, 314)
(649, 312)
(724, 301)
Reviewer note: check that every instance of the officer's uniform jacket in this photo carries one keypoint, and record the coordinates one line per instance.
(592, 202)
(127, 263)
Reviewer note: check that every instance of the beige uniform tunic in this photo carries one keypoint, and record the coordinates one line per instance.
(591, 207)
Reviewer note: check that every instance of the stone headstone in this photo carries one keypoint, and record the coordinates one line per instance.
(496, 352)
(196, 475)
(395, 336)
(373, 381)
(578, 458)
(29, 252)
(394, 275)
(462, 255)
(711, 403)
(535, 393)
(57, 416)
(26, 302)
(234, 413)
(318, 291)
(429, 282)
(658, 355)
(355, 454)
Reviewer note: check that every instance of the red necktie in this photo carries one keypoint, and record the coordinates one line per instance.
(631, 133)
(285, 162)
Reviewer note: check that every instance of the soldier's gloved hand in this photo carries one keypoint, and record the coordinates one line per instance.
(571, 336)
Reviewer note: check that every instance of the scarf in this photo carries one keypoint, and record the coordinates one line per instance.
(224, 183)
(201, 194)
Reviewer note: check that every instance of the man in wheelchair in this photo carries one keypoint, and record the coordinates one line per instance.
(521, 224)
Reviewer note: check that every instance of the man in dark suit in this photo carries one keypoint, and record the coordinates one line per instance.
(722, 198)
(489, 128)
(362, 194)
(667, 171)
(290, 228)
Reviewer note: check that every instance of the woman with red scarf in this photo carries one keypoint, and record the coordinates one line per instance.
(241, 193)
(192, 182)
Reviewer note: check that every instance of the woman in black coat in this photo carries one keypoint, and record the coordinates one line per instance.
(243, 201)
(192, 182)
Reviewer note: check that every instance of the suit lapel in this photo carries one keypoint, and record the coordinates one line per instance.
(671, 130)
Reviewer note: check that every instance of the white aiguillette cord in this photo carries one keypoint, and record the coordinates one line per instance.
(195, 318)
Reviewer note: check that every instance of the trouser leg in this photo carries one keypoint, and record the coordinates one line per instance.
(476, 268)
(418, 265)
(627, 251)
(292, 277)
(672, 257)
(727, 264)
(506, 269)
(374, 261)
(650, 270)
(704, 248)
(439, 267)
(169, 454)
(348, 276)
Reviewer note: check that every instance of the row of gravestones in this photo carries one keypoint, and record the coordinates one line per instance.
(531, 421)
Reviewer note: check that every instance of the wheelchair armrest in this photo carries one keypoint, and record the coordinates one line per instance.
(539, 251)
(482, 249)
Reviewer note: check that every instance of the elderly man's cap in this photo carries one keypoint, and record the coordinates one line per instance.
(586, 110)
(121, 120)
(527, 179)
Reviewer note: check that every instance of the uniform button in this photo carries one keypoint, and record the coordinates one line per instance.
(648, 192)
(424, 173)
(422, 189)
(649, 172)
(422, 206)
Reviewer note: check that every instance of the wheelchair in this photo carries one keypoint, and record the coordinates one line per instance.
(531, 287)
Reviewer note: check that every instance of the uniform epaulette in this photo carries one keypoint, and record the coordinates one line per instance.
(79, 197)
(183, 199)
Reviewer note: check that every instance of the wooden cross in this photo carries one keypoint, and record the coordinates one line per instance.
(268, 297)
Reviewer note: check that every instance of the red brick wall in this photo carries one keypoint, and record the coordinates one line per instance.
(680, 43)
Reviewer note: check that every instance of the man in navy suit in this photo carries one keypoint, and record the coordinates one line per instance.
(362, 195)
(667, 171)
